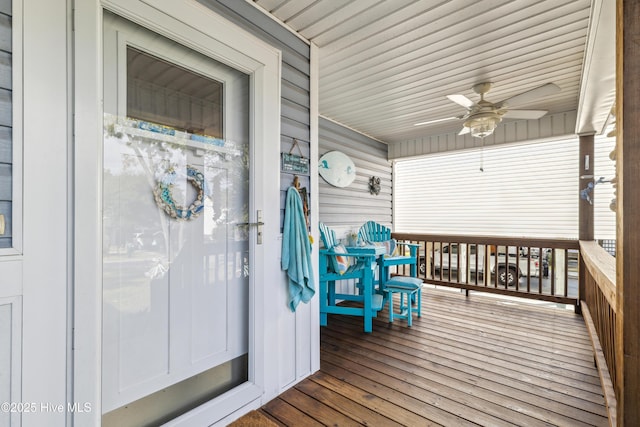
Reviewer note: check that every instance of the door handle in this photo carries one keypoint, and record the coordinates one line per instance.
(258, 224)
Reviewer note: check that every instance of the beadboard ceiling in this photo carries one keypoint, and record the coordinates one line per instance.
(385, 65)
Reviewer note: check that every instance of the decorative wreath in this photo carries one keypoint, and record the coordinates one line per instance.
(164, 197)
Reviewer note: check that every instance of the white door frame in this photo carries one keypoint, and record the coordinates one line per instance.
(198, 28)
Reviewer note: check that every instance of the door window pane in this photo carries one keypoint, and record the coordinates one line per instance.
(161, 92)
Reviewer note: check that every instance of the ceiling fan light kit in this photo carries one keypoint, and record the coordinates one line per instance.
(483, 124)
(482, 118)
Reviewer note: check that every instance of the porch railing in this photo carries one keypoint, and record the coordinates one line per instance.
(598, 270)
(543, 269)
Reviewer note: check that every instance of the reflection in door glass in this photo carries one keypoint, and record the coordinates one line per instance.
(175, 264)
(161, 92)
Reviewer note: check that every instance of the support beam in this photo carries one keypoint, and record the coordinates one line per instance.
(628, 213)
(585, 208)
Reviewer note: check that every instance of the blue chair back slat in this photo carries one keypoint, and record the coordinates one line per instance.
(373, 232)
(328, 236)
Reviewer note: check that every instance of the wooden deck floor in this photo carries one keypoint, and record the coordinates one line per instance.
(467, 361)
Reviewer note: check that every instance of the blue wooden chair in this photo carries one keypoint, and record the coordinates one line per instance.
(373, 233)
(359, 268)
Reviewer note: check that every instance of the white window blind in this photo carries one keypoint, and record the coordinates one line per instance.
(525, 190)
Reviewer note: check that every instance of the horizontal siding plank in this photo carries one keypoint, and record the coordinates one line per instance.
(5, 7)
(344, 205)
(5, 70)
(294, 111)
(5, 33)
(5, 182)
(353, 221)
(295, 60)
(374, 147)
(295, 77)
(5, 108)
(366, 159)
(294, 129)
(338, 132)
(5, 145)
(295, 94)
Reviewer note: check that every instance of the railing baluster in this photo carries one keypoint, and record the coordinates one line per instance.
(476, 246)
(517, 269)
(566, 271)
(553, 276)
(540, 275)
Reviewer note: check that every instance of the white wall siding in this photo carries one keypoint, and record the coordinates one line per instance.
(526, 190)
(348, 208)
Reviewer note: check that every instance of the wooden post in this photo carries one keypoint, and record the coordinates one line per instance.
(628, 212)
(585, 208)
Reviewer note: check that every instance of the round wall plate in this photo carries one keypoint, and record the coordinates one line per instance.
(337, 169)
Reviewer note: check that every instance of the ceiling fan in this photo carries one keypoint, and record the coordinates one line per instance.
(482, 117)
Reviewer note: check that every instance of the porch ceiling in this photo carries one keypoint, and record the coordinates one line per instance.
(386, 65)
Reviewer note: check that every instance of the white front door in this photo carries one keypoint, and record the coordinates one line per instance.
(176, 268)
(186, 122)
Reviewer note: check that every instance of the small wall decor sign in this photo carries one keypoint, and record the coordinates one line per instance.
(294, 164)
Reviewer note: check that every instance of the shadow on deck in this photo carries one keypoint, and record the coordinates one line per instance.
(473, 360)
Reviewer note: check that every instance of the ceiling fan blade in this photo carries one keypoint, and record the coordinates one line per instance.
(446, 119)
(465, 130)
(461, 100)
(524, 114)
(530, 95)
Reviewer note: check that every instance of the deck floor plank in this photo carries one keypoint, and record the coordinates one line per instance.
(436, 368)
(467, 361)
(288, 415)
(466, 348)
(333, 393)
